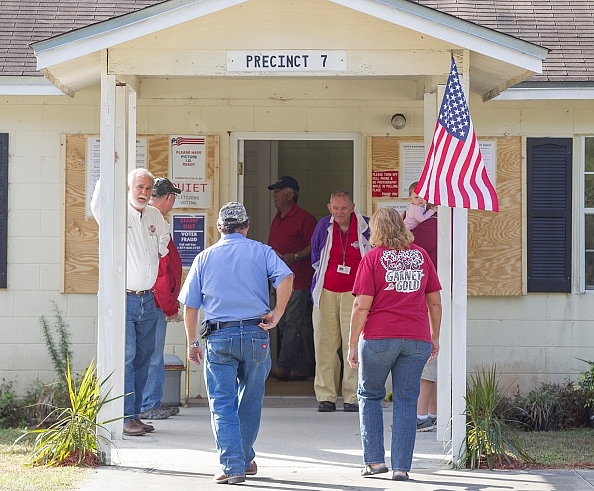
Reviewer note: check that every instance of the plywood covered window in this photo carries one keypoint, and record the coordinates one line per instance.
(494, 239)
(81, 232)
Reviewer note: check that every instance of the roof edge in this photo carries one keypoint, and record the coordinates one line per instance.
(109, 32)
(27, 85)
(530, 92)
(375, 7)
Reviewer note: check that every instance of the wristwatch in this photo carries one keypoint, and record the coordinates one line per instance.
(196, 343)
(296, 257)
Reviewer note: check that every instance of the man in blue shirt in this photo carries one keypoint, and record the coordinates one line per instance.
(229, 280)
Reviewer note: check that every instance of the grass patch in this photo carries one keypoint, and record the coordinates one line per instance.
(16, 477)
(566, 449)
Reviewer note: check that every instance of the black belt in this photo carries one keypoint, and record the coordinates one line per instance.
(223, 325)
(139, 293)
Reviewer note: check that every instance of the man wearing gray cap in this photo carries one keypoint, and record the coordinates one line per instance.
(166, 290)
(229, 280)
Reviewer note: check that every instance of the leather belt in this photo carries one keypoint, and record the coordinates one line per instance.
(223, 325)
(139, 293)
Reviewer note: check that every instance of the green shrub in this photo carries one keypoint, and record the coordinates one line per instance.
(585, 384)
(11, 408)
(58, 341)
(569, 410)
(541, 408)
(73, 437)
(487, 435)
(570, 406)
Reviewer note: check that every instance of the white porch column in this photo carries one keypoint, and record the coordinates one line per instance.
(112, 253)
(459, 298)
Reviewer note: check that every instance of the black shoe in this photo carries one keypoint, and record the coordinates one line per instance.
(279, 374)
(326, 407)
(350, 408)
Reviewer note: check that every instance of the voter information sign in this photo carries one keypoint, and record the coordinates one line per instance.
(188, 232)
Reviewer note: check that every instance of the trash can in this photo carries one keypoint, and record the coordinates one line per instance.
(171, 390)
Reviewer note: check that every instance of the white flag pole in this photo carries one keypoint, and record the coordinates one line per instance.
(459, 300)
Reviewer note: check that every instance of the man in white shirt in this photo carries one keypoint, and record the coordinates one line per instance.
(148, 236)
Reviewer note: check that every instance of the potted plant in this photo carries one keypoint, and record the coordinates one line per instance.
(585, 383)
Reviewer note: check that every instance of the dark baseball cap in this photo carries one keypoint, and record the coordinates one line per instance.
(163, 187)
(285, 182)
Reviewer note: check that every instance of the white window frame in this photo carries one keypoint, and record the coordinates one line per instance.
(580, 185)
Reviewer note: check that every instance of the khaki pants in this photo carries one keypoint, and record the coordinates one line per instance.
(331, 324)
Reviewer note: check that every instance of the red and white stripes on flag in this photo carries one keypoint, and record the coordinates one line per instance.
(454, 174)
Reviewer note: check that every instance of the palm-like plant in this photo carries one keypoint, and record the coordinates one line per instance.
(487, 436)
(73, 437)
(541, 406)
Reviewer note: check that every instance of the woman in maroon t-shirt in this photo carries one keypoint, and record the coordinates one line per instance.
(394, 329)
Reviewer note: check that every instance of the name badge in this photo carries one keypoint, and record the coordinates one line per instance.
(343, 269)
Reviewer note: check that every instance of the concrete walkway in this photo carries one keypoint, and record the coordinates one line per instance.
(299, 449)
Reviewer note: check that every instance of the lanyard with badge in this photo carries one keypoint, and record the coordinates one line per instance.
(343, 268)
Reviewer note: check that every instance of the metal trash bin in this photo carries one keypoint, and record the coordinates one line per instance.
(171, 390)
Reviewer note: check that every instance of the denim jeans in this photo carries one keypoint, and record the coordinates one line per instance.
(296, 353)
(141, 320)
(155, 381)
(237, 364)
(405, 359)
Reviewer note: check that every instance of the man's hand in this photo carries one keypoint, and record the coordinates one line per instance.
(270, 320)
(288, 258)
(179, 317)
(195, 354)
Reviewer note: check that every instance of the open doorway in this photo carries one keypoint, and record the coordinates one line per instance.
(321, 164)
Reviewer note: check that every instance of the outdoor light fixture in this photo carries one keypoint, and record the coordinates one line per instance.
(398, 121)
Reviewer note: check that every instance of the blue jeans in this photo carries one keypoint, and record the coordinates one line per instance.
(237, 364)
(153, 391)
(141, 320)
(405, 359)
(296, 353)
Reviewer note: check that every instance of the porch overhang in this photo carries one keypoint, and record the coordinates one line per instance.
(72, 61)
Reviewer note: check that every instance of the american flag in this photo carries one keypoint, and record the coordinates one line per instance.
(184, 140)
(454, 174)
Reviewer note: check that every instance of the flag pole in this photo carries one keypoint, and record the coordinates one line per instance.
(454, 176)
(459, 301)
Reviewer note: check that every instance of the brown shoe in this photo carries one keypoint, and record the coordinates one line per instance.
(252, 469)
(147, 428)
(132, 428)
(279, 374)
(223, 479)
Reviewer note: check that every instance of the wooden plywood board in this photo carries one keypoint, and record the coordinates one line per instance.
(494, 239)
(81, 234)
(81, 252)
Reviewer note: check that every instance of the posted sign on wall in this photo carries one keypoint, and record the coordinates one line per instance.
(188, 171)
(188, 232)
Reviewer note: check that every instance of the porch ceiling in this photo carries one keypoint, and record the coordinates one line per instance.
(392, 39)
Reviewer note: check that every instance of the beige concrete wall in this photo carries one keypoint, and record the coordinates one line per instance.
(532, 338)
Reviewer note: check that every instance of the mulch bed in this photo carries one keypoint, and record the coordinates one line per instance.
(518, 465)
(88, 460)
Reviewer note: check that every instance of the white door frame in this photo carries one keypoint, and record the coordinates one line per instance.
(359, 165)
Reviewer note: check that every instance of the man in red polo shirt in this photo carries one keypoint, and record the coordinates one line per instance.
(290, 237)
